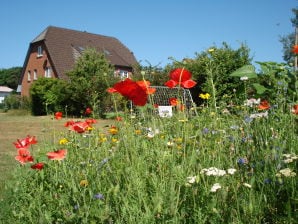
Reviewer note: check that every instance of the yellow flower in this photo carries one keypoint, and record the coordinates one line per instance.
(138, 132)
(205, 96)
(63, 141)
(89, 128)
(115, 140)
(113, 130)
(102, 138)
(84, 183)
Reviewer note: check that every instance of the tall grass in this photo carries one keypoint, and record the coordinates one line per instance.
(210, 168)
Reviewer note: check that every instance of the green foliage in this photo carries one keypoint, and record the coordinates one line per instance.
(89, 79)
(10, 77)
(48, 96)
(275, 81)
(212, 68)
(247, 71)
(15, 101)
(153, 170)
(156, 75)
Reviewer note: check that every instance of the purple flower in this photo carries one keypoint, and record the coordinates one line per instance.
(98, 196)
(205, 130)
(242, 161)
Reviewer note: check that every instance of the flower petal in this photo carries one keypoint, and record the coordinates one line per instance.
(171, 83)
(188, 84)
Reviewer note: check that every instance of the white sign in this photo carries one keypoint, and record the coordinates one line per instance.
(165, 111)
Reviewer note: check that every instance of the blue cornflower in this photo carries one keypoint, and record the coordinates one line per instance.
(205, 130)
(98, 196)
(242, 161)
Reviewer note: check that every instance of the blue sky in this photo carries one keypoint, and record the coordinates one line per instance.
(154, 30)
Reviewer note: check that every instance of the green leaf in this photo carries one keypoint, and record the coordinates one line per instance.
(260, 89)
(245, 71)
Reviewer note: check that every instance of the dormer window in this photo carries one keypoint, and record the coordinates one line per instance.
(39, 51)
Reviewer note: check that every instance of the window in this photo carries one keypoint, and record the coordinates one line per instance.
(29, 76)
(123, 74)
(48, 72)
(35, 74)
(39, 51)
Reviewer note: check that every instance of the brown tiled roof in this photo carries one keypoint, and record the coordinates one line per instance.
(64, 46)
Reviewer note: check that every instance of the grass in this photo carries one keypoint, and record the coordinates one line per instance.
(210, 168)
(17, 124)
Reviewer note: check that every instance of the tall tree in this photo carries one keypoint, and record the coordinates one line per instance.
(10, 77)
(289, 40)
(91, 76)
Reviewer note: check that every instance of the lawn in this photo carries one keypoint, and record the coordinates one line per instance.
(17, 125)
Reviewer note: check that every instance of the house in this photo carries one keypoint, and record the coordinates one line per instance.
(55, 50)
(4, 91)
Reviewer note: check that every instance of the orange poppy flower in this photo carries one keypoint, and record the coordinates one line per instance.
(24, 143)
(264, 105)
(295, 109)
(295, 49)
(173, 101)
(24, 156)
(37, 166)
(58, 115)
(180, 77)
(57, 155)
(145, 85)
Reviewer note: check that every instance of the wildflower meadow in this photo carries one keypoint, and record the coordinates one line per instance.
(212, 163)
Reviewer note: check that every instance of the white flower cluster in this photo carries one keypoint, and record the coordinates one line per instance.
(259, 115)
(252, 101)
(287, 172)
(289, 158)
(212, 171)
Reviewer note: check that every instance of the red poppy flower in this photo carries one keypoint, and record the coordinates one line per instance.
(173, 101)
(118, 118)
(132, 91)
(88, 111)
(295, 49)
(264, 105)
(80, 126)
(111, 90)
(181, 77)
(155, 105)
(58, 115)
(295, 109)
(57, 155)
(37, 166)
(69, 123)
(90, 121)
(24, 143)
(145, 85)
(24, 156)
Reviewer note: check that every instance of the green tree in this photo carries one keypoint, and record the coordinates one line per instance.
(91, 76)
(48, 96)
(212, 68)
(10, 77)
(288, 41)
